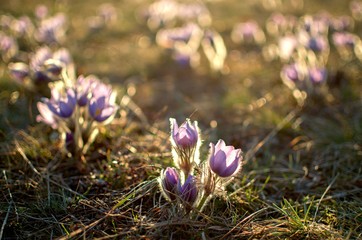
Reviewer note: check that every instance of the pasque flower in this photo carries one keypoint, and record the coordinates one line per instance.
(62, 106)
(101, 104)
(185, 136)
(317, 75)
(46, 115)
(83, 89)
(224, 161)
(188, 191)
(185, 142)
(169, 181)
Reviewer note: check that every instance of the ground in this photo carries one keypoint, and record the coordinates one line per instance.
(301, 174)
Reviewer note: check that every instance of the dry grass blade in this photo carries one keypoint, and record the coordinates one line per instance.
(9, 207)
(245, 220)
(251, 153)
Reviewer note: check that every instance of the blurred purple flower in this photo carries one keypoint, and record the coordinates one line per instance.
(247, 32)
(224, 161)
(188, 192)
(22, 26)
(316, 25)
(342, 23)
(36, 64)
(46, 65)
(344, 39)
(185, 136)
(107, 12)
(317, 75)
(63, 56)
(356, 8)
(101, 104)
(8, 47)
(46, 115)
(5, 21)
(317, 43)
(292, 72)
(161, 13)
(188, 34)
(83, 89)
(41, 11)
(279, 24)
(52, 30)
(62, 106)
(194, 12)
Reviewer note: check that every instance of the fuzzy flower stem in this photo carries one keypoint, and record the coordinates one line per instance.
(78, 135)
(202, 202)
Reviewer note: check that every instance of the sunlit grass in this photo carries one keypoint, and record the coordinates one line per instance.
(301, 177)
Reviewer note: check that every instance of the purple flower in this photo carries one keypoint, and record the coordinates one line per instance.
(46, 115)
(185, 136)
(317, 43)
(189, 34)
(107, 12)
(317, 75)
(101, 105)
(41, 11)
(22, 26)
(62, 106)
(37, 62)
(39, 57)
(224, 161)
(63, 56)
(292, 73)
(279, 23)
(8, 46)
(247, 32)
(83, 89)
(52, 29)
(169, 183)
(188, 191)
(46, 65)
(342, 23)
(194, 11)
(161, 12)
(316, 25)
(344, 39)
(100, 110)
(356, 8)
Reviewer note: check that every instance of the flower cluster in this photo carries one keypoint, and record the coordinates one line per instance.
(106, 15)
(44, 66)
(303, 45)
(45, 29)
(169, 12)
(247, 32)
(8, 47)
(78, 111)
(192, 183)
(191, 33)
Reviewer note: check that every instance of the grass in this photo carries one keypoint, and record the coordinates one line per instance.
(302, 170)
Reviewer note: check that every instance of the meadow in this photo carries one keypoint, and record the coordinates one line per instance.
(181, 119)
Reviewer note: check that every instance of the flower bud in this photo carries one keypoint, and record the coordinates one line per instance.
(168, 182)
(185, 141)
(185, 136)
(188, 191)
